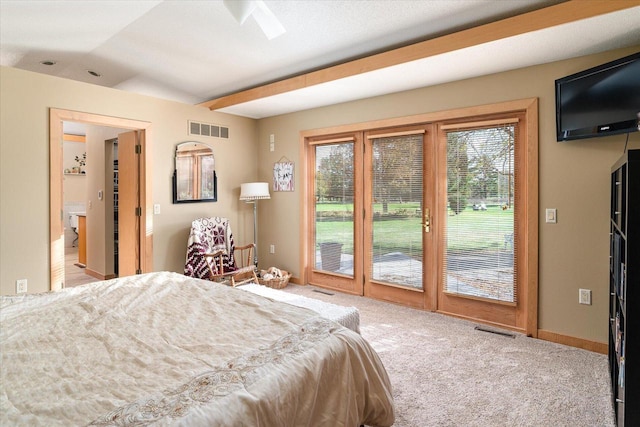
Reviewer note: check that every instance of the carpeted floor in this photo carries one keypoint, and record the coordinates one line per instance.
(444, 372)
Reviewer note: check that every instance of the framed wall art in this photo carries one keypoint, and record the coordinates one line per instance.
(283, 175)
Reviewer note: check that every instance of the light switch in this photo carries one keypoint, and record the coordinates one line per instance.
(551, 216)
(156, 209)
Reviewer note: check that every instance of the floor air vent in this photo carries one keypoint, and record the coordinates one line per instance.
(320, 291)
(494, 331)
(208, 129)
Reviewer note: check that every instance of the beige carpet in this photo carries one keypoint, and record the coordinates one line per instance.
(446, 373)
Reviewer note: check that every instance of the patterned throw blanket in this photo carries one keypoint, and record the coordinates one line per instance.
(207, 236)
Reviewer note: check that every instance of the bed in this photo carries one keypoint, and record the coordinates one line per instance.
(349, 317)
(166, 349)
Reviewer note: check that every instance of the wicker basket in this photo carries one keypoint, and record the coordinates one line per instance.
(276, 282)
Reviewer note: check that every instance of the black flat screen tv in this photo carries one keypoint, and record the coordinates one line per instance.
(600, 101)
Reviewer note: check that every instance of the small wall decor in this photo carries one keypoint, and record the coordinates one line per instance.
(283, 175)
(81, 160)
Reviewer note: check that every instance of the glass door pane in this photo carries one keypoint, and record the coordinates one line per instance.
(396, 203)
(480, 220)
(334, 208)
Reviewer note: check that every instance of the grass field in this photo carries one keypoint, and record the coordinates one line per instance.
(468, 231)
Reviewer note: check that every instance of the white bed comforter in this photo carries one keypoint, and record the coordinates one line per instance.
(165, 349)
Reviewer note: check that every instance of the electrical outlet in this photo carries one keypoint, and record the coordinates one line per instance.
(584, 296)
(21, 286)
(272, 249)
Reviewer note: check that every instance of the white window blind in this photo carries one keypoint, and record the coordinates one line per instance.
(481, 221)
(397, 182)
(334, 195)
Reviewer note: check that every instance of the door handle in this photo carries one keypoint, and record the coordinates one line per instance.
(427, 221)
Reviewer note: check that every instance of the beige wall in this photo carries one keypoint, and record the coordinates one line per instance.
(25, 99)
(573, 178)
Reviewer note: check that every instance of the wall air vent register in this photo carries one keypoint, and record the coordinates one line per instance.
(208, 129)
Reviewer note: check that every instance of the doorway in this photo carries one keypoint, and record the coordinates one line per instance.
(140, 229)
(439, 216)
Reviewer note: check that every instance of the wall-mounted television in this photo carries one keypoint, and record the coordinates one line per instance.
(600, 101)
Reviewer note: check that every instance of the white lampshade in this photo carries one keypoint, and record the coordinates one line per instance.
(254, 191)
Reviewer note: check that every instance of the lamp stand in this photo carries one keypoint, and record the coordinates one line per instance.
(255, 232)
(251, 192)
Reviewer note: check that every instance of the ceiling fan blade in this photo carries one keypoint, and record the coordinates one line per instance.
(267, 21)
(240, 9)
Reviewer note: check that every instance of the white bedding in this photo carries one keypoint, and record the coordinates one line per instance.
(349, 317)
(165, 349)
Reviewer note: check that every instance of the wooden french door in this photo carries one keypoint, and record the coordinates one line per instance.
(481, 223)
(129, 210)
(398, 198)
(439, 213)
(335, 217)
(372, 198)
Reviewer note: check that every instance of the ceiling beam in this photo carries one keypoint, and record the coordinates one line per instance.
(563, 13)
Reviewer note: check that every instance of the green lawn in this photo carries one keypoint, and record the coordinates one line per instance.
(479, 230)
(476, 230)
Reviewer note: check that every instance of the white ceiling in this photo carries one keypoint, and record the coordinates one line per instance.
(194, 51)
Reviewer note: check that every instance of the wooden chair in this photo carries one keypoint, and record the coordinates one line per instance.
(212, 254)
(244, 272)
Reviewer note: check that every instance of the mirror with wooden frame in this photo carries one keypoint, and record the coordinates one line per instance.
(194, 177)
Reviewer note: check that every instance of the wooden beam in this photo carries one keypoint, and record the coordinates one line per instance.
(563, 13)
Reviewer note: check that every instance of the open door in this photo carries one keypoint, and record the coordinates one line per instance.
(129, 210)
